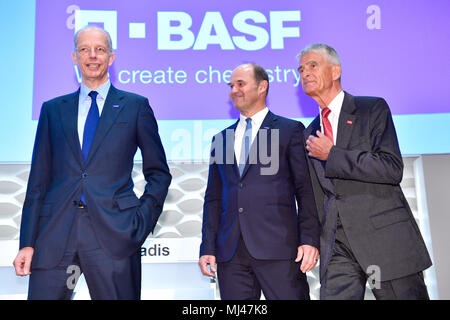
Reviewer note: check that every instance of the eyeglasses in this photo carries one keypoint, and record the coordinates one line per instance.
(84, 51)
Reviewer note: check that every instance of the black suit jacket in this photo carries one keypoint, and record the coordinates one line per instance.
(59, 174)
(260, 206)
(360, 181)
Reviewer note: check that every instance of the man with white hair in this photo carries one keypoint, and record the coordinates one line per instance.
(368, 230)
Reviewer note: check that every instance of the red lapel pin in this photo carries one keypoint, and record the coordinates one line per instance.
(349, 122)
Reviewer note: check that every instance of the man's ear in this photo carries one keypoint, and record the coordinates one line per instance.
(336, 72)
(263, 86)
(74, 57)
(111, 58)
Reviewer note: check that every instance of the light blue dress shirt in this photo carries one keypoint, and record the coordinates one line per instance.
(84, 104)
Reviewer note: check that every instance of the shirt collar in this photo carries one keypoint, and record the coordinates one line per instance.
(336, 104)
(257, 118)
(102, 90)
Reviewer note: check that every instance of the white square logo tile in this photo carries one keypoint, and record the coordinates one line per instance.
(137, 30)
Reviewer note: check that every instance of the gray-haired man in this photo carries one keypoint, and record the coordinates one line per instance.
(368, 230)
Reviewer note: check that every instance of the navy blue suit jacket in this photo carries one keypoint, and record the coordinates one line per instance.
(261, 207)
(59, 174)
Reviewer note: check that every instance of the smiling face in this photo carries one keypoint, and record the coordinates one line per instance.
(248, 96)
(92, 54)
(320, 79)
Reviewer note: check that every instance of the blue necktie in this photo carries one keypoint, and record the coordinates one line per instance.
(90, 126)
(245, 148)
(89, 129)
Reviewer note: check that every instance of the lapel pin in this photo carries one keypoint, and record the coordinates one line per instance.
(349, 122)
(115, 106)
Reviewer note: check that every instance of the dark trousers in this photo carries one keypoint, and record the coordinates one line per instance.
(346, 280)
(244, 277)
(106, 278)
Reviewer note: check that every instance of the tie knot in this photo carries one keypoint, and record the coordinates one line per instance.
(325, 112)
(249, 121)
(93, 94)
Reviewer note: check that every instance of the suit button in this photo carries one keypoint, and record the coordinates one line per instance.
(241, 185)
(241, 210)
(84, 175)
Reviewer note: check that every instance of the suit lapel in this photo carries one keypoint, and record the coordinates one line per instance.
(230, 156)
(346, 122)
(107, 118)
(69, 122)
(318, 165)
(311, 131)
(312, 128)
(267, 124)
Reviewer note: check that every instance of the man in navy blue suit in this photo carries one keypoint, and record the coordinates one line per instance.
(251, 226)
(80, 213)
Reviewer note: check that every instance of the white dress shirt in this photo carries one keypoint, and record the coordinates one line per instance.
(335, 106)
(84, 104)
(257, 120)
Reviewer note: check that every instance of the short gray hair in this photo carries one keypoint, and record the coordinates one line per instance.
(107, 35)
(331, 55)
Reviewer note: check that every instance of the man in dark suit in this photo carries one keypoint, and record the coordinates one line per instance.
(80, 213)
(251, 226)
(368, 230)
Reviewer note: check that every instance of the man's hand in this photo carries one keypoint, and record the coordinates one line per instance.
(22, 262)
(203, 263)
(309, 256)
(319, 147)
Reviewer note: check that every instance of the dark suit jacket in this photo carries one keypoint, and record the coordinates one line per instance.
(58, 175)
(261, 207)
(361, 181)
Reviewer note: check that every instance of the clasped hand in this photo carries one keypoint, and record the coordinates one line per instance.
(319, 147)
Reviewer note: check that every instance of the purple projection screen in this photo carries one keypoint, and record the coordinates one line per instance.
(180, 54)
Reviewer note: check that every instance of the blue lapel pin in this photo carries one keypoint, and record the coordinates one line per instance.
(115, 106)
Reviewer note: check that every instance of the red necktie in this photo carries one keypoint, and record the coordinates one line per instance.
(328, 130)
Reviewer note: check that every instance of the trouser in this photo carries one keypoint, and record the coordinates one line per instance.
(345, 279)
(106, 278)
(244, 277)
